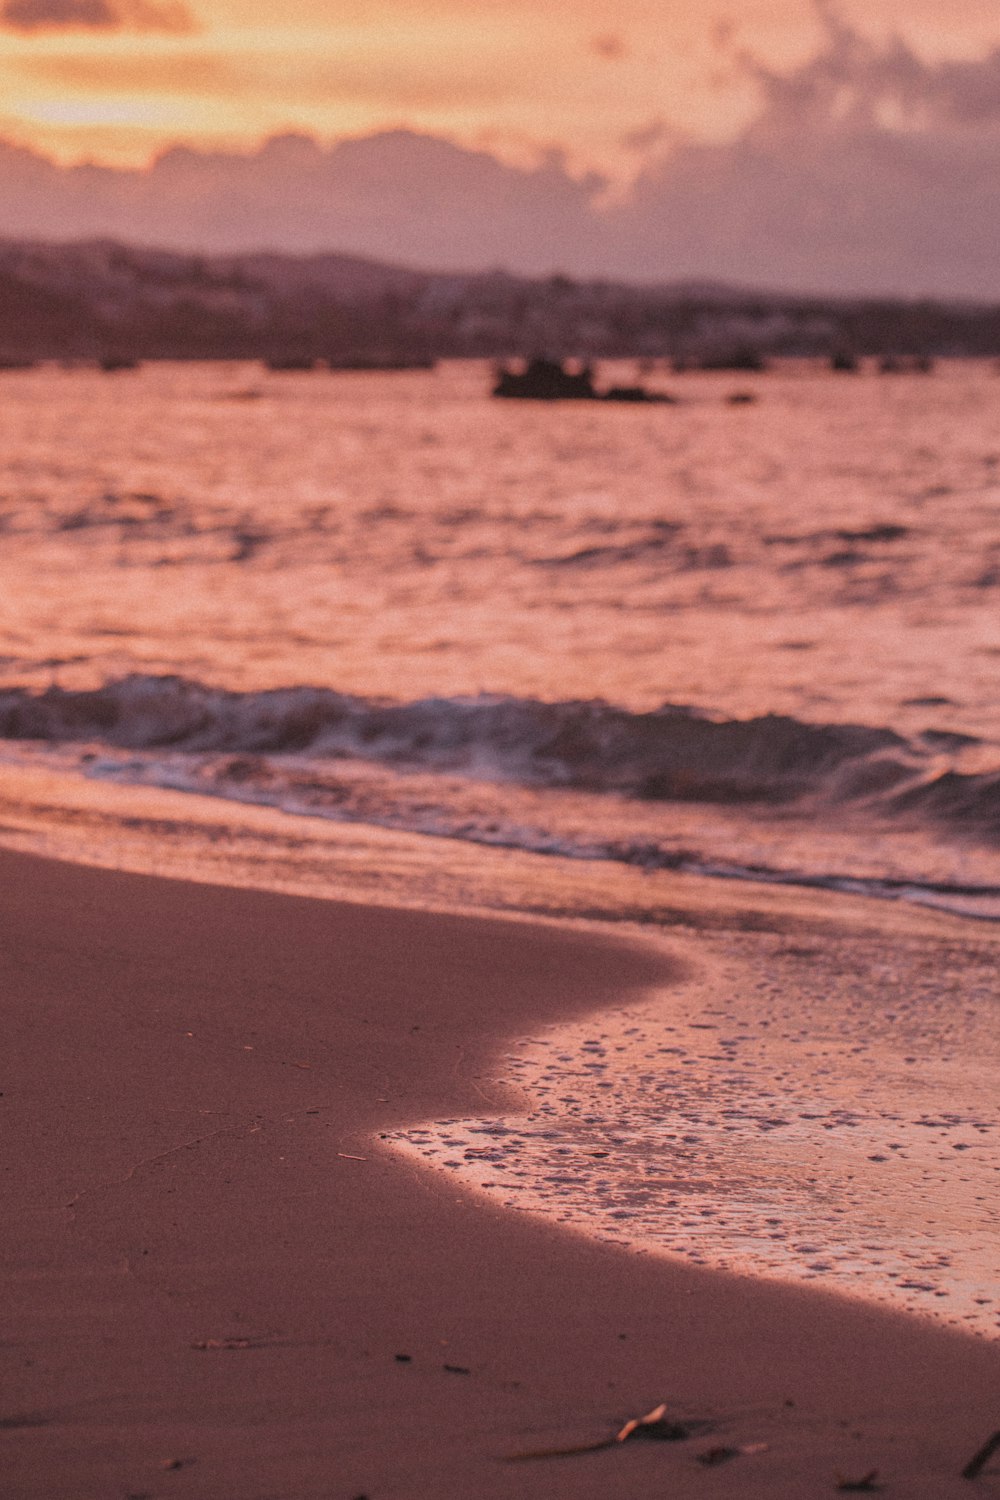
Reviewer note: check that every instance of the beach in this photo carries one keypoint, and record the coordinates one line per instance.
(500, 932)
(224, 1282)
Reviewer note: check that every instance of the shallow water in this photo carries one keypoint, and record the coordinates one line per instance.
(757, 642)
(824, 1114)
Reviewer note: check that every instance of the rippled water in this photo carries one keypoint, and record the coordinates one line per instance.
(758, 641)
(823, 563)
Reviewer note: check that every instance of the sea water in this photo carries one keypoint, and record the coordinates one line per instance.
(754, 641)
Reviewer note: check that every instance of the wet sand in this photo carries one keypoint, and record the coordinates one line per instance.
(214, 1265)
(815, 1105)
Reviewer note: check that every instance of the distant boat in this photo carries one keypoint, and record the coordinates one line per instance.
(546, 380)
(112, 363)
(549, 380)
(844, 362)
(637, 393)
(18, 364)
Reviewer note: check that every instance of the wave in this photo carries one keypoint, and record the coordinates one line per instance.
(673, 753)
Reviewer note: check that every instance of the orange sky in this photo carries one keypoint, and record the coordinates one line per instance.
(586, 75)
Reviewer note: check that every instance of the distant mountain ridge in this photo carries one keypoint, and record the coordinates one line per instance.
(101, 298)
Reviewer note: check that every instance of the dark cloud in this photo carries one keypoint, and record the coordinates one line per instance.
(96, 15)
(866, 169)
(397, 196)
(37, 15)
(853, 81)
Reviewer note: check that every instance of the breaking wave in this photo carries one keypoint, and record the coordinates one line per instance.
(671, 754)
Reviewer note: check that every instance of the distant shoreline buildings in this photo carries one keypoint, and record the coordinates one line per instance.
(104, 301)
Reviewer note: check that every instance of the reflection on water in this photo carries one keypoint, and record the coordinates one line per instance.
(831, 551)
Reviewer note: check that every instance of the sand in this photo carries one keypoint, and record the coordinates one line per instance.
(221, 1283)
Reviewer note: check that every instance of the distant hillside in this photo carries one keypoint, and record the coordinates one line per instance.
(100, 299)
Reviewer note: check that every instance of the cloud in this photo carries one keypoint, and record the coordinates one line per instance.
(396, 195)
(96, 15)
(187, 70)
(866, 169)
(853, 81)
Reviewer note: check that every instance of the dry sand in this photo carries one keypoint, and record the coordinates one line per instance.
(212, 1265)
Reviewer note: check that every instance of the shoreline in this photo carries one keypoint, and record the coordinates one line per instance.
(812, 1112)
(214, 1264)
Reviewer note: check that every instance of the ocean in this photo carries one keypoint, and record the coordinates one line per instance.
(377, 633)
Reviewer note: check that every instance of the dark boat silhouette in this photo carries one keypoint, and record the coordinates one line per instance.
(546, 380)
(549, 380)
(844, 362)
(637, 393)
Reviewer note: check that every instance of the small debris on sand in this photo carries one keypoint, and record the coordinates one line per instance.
(867, 1484)
(981, 1457)
(654, 1425)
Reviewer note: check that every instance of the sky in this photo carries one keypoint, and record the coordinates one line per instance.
(816, 144)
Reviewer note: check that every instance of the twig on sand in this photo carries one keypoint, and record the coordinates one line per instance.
(981, 1458)
(653, 1425)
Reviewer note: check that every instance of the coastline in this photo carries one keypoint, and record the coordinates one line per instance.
(214, 1263)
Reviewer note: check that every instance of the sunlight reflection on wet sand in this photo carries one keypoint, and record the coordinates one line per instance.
(824, 1116)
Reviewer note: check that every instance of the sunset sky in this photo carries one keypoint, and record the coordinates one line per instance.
(116, 81)
(812, 144)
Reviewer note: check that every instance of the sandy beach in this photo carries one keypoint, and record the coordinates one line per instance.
(221, 1283)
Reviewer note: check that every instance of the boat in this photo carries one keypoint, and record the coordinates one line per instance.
(550, 380)
(844, 362)
(637, 393)
(546, 380)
